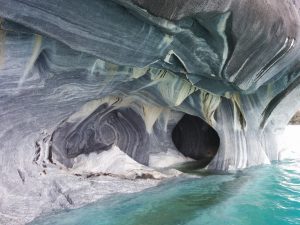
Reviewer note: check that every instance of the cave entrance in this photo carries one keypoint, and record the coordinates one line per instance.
(289, 143)
(196, 139)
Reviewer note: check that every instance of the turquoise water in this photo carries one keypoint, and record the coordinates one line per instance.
(263, 195)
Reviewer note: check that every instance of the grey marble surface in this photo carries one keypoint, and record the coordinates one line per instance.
(79, 76)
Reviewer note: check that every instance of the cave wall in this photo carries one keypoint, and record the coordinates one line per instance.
(234, 64)
(227, 79)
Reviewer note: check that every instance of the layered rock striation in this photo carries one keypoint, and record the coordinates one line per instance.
(165, 80)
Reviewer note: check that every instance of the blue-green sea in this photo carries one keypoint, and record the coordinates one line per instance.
(264, 195)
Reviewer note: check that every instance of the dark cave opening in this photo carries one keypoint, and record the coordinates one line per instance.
(196, 139)
(124, 127)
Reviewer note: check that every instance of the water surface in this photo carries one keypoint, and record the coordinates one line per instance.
(262, 195)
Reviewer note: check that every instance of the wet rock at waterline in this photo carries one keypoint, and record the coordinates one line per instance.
(79, 79)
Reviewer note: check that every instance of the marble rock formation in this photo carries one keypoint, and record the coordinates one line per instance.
(163, 80)
(295, 119)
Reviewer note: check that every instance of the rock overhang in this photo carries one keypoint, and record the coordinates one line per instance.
(234, 64)
(191, 57)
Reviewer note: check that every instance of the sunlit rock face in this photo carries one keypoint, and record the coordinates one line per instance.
(163, 81)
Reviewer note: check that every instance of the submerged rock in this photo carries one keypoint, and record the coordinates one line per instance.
(78, 77)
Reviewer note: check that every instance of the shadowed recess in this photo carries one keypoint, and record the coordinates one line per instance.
(194, 138)
(99, 131)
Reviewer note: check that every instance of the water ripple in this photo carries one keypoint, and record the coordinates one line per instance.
(266, 195)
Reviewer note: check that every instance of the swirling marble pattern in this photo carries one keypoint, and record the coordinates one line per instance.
(78, 76)
(99, 131)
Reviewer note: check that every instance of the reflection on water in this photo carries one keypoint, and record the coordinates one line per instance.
(261, 195)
